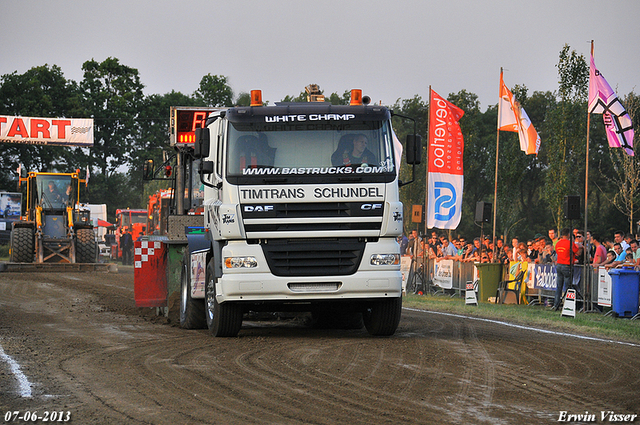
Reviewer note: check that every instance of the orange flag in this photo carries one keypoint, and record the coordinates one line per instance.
(511, 117)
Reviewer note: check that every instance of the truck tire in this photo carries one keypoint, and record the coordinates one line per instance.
(191, 309)
(22, 245)
(382, 317)
(223, 320)
(85, 246)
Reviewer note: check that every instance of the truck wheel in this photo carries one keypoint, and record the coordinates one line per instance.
(222, 319)
(22, 245)
(191, 310)
(85, 246)
(382, 317)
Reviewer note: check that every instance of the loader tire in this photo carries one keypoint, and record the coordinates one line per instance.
(22, 245)
(85, 246)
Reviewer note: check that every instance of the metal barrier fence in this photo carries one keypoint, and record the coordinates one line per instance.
(540, 291)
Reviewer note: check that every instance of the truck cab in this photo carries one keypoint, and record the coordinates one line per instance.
(302, 211)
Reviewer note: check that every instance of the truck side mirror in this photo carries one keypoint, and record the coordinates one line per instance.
(201, 147)
(414, 149)
(206, 167)
(148, 170)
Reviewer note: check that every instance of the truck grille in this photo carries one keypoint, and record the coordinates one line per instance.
(260, 219)
(313, 257)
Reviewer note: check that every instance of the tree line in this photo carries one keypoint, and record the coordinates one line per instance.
(130, 127)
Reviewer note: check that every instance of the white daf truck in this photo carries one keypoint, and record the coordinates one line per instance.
(301, 213)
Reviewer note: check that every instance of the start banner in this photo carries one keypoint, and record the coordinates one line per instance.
(46, 131)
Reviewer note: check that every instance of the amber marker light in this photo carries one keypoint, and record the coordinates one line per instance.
(256, 97)
(356, 97)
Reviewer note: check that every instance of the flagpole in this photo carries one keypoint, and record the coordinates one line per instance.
(495, 185)
(425, 253)
(586, 178)
(586, 203)
(426, 174)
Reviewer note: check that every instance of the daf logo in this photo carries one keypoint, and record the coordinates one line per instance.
(258, 208)
(370, 207)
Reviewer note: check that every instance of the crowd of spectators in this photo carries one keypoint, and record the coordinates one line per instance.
(592, 249)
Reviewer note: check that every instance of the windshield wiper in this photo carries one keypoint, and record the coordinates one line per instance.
(350, 179)
(275, 180)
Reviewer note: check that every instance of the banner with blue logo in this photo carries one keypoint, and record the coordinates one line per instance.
(444, 161)
(445, 200)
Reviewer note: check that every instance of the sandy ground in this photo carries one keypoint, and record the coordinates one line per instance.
(75, 342)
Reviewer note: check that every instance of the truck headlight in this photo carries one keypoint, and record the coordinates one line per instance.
(240, 262)
(385, 259)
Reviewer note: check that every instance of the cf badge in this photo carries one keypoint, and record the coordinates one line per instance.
(370, 207)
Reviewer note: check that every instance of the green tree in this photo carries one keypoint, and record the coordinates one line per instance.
(243, 99)
(213, 91)
(478, 159)
(566, 138)
(625, 175)
(413, 194)
(153, 123)
(113, 96)
(336, 99)
(522, 210)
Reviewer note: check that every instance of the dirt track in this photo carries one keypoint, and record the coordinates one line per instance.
(85, 348)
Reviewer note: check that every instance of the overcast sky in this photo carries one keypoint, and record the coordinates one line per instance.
(390, 49)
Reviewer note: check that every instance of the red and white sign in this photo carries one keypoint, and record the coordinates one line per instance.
(46, 131)
(569, 307)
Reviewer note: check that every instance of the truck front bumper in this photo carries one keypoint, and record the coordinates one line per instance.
(259, 284)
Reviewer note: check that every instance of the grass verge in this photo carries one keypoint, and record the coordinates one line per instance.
(589, 324)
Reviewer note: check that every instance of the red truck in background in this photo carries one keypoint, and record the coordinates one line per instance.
(128, 220)
(158, 211)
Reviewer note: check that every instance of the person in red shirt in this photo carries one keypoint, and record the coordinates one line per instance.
(563, 265)
(600, 256)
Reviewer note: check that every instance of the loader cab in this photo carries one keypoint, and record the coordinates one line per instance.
(56, 192)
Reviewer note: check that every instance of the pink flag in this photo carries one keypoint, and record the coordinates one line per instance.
(603, 100)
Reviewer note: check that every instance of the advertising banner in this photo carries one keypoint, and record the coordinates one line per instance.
(543, 277)
(405, 269)
(446, 173)
(46, 131)
(604, 287)
(443, 276)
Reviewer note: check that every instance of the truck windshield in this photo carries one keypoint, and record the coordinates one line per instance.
(129, 217)
(140, 218)
(295, 150)
(54, 191)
